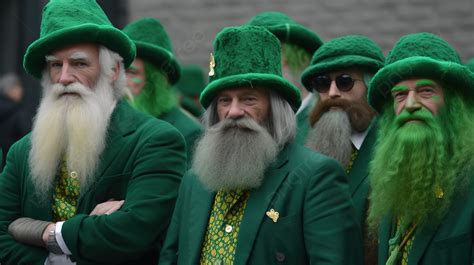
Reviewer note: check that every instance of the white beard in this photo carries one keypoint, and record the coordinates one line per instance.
(72, 128)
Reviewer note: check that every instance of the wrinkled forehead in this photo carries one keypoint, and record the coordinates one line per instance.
(240, 91)
(75, 51)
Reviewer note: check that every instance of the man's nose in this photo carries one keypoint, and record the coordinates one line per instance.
(412, 103)
(333, 90)
(235, 111)
(66, 77)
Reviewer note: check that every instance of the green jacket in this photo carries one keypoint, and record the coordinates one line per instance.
(187, 126)
(317, 223)
(449, 243)
(358, 176)
(302, 120)
(142, 163)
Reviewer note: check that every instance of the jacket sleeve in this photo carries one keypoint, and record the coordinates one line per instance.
(11, 183)
(169, 253)
(141, 223)
(332, 235)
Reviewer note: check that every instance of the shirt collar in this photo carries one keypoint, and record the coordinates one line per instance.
(358, 138)
(305, 102)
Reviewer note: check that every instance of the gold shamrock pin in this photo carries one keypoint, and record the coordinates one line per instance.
(438, 192)
(273, 215)
(212, 64)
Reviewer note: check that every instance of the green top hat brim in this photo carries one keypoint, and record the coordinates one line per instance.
(298, 35)
(470, 65)
(270, 81)
(450, 74)
(341, 62)
(110, 37)
(161, 58)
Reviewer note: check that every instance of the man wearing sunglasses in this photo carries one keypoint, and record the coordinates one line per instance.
(342, 121)
(422, 196)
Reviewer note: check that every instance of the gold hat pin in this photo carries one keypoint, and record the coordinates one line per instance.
(273, 215)
(439, 193)
(212, 64)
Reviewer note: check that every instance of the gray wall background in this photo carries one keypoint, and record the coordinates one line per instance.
(193, 24)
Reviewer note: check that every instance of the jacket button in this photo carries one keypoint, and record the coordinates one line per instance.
(280, 257)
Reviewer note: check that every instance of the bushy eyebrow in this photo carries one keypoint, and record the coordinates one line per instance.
(50, 58)
(79, 56)
(425, 82)
(74, 56)
(400, 88)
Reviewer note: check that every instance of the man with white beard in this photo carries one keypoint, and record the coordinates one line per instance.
(95, 182)
(343, 125)
(252, 196)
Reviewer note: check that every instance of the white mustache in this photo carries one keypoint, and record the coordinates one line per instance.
(77, 88)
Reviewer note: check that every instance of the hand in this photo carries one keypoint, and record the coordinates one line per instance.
(107, 207)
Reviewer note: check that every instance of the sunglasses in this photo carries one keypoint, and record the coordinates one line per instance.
(322, 83)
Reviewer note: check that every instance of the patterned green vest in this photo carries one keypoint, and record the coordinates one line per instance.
(66, 194)
(220, 241)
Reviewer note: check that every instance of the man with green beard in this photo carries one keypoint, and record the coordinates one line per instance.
(422, 198)
(343, 125)
(152, 75)
(96, 181)
(252, 196)
(298, 43)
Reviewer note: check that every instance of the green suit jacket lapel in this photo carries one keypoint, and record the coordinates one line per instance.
(360, 169)
(257, 205)
(385, 233)
(423, 237)
(120, 125)
(203, 201)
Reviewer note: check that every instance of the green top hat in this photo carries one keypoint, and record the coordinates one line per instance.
(192, 80)
(67, 22)
(422, 55)
(470, 64)
(154, 45)
(247, 56)
(287, 30)
(344, 52)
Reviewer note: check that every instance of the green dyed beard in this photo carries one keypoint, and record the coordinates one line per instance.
(411, 160)
(296, 57)
(156, 97)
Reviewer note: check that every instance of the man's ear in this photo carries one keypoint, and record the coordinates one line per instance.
(116, 71)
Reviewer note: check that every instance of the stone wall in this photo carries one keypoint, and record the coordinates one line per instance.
(193, 24)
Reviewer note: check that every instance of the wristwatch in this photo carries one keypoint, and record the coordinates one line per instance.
(52, 244)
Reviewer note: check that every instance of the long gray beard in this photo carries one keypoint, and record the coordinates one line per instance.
(234, 154)
(71, 127)
(331, 136)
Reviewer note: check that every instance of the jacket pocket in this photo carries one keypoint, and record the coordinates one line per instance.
(283, 240)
